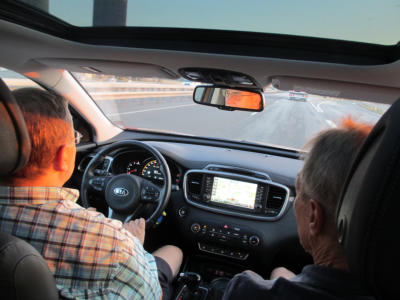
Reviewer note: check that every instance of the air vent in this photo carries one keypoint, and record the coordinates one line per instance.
(275, 200)
(194, 183)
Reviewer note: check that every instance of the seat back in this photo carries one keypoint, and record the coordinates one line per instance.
(368, 212)
(23, 272)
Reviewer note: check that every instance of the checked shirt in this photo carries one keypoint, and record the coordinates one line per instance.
(91, 256)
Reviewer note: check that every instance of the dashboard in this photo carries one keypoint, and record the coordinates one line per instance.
(224, 202)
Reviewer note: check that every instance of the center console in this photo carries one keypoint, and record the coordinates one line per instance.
(241, 193)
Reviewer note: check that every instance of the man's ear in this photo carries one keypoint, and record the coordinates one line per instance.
(316, 217)
(61, 160)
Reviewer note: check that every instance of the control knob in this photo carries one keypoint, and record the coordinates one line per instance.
(207, 197)
(195, 227)
(254, 240)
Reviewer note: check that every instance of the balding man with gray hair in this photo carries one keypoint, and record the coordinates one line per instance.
(318, 187)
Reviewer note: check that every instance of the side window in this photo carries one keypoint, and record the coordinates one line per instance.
(15, 80)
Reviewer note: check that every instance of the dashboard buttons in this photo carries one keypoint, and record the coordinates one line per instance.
(232, 253)
(235, 228)
(230, 235)
(223, 238)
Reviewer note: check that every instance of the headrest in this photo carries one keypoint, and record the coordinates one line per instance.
(14, 137)
(368, 212)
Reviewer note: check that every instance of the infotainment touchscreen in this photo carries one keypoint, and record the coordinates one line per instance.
(234, 192)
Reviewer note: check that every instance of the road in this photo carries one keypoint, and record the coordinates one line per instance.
(283, 122)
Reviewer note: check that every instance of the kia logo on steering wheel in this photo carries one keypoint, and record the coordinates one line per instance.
(119, 191)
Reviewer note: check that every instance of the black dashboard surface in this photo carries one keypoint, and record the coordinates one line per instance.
(282, 170)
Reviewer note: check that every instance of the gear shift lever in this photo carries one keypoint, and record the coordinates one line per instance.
(192, 281)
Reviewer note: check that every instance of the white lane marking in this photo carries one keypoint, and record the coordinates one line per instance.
(317, 108)
(254, 113)
(330, 123)
(145, 110)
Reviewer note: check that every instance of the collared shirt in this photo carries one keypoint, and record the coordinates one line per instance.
(91, 256)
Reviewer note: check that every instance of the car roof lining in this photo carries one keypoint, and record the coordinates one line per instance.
(24, 50)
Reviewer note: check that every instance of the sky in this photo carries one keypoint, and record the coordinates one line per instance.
(369, 21)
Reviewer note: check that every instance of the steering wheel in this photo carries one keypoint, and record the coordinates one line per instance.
(127, 194)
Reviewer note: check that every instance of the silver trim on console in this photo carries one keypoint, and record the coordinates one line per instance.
(226, 211)
(210, 166)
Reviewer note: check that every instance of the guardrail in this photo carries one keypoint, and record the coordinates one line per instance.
(119, 90)
(133, 95)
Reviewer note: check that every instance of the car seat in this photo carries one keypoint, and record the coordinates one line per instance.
(368, 212)
(23, 272)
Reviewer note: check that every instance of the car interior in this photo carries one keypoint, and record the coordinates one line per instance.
(196, 123)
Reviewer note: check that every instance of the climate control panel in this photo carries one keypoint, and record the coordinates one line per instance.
(226, 233)
(227, 236)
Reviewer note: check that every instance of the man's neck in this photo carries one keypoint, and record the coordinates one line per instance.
(45, 180)
(330, 254)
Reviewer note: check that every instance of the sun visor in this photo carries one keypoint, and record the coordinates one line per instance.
(119, 68)
(338, 89)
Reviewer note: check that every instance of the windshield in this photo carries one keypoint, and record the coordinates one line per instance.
(289, 119)
(367, 21)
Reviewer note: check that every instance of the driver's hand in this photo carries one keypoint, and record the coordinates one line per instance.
(137, 228)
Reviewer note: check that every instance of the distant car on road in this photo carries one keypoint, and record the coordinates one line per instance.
(301, 96)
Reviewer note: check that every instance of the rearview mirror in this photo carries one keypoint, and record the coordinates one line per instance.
(229, 98)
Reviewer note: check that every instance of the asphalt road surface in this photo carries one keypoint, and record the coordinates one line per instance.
(283, 122)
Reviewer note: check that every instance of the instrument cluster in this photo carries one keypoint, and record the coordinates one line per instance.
(144, 165)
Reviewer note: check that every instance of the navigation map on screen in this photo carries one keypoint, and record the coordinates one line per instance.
(234, 192)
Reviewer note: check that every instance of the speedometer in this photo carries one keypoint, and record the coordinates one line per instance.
(151, 170)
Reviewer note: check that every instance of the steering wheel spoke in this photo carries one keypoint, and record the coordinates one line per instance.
(149, 193)
(125, 218)
(98, 183)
